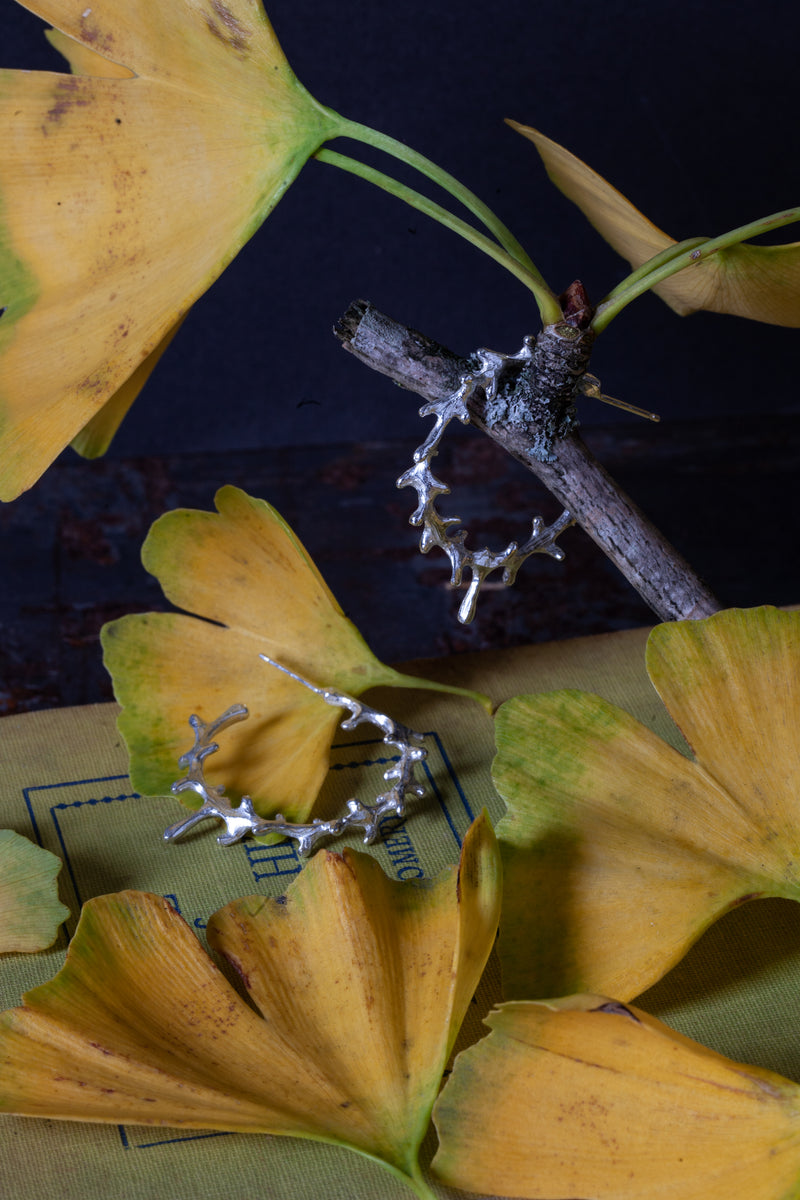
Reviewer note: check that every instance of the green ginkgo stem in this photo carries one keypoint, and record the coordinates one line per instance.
(409, 1173)
(547, 303)
(446, 181)
(652, 264)
(677, 258)
(413, 1180)
(421, 1188)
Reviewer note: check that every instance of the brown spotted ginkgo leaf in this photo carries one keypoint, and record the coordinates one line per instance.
(586, 1097)
(361, 983)
(125, 190)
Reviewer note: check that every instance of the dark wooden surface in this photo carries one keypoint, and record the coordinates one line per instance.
(724, 492)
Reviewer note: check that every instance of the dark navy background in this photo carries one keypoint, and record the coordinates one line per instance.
(687, 108)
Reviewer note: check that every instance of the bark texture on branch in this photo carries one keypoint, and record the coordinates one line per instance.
(568, 469)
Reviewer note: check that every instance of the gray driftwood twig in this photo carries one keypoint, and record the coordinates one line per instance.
(548, 444)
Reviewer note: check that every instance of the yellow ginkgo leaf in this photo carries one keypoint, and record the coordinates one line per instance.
(30, 910)
(245, 572)
(98, 432)
(619, 850)
(362, 983)
(125, 189)
(759, 282)
(588, 1097)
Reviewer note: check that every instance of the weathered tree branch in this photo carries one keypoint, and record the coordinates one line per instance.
(647, 560)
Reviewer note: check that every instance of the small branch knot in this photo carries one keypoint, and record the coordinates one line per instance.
(538, 402)
(575, 306)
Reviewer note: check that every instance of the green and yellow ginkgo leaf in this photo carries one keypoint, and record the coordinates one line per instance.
(125, 189)
(620, 850)
(246, 574)
(361, 982)
(97, 434)
(128, 186)
(30, 910)
(755, 281)
(588, 1097)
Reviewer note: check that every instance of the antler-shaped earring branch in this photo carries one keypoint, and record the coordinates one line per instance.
(243, 821)
(557, 455)
(446, 532)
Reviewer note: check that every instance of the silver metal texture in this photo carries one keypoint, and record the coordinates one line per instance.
(447, 532)
(243, 821)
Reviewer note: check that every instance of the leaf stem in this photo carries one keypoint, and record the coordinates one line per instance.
(652, 264)
(677, 258)
(547, 303)
(400, 680)
(409, 1174)
(420, 1186)
(448, 182)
